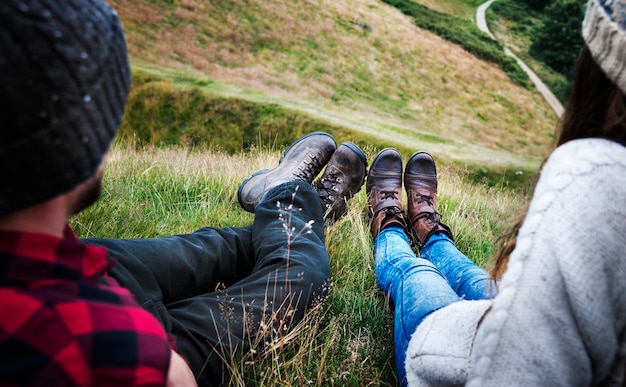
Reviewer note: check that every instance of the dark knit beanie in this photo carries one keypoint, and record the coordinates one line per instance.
(64, 79)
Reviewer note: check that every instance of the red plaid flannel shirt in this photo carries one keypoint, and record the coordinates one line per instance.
(64, 322)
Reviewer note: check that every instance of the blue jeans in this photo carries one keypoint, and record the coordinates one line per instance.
(419, 286)
(213, 289)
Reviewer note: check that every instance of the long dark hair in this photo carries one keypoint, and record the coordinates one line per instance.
(596, 108)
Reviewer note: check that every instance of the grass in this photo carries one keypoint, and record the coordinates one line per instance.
(171, 109)
(391, 80)
(161, 113)
(151, 192)
(464, 33)
(463, 9)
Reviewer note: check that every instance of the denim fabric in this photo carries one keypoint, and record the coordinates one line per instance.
(468, 281)
(212, 288)
(419, 286)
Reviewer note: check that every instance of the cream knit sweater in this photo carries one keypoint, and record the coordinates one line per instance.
(560, 316)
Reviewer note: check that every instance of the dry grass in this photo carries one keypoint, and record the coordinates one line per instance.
(465, 9)
(345, 340)
(321, 53)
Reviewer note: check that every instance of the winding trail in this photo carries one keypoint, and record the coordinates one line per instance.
(481, 22)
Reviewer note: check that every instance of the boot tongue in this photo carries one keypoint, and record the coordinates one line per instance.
(422, 210)
(387, 217)
(386, 198)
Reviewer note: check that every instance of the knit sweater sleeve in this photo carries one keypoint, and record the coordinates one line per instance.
(559, 317)
(439, 349)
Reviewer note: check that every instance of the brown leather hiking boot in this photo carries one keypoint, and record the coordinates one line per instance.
(342, 179)
(384, 191)
(420, 183)
(303, 160)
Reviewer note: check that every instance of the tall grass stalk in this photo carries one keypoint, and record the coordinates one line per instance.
(346, 340)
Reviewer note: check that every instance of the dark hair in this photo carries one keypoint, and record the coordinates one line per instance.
(596, 108)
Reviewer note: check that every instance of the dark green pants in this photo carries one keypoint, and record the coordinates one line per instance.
(218, 290)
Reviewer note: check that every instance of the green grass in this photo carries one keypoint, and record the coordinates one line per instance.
(464, 9)
(464, 33)
(181, 110)
(161, 113)
(151, 192)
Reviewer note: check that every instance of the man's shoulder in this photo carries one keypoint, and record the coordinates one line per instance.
(79, 332)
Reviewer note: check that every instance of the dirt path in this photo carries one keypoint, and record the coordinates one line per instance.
(481, 22)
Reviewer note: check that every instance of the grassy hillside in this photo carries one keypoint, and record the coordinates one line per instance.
(465, 9)
(357, 64)
(464, 33)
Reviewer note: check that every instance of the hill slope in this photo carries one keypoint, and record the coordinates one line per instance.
(360, 64)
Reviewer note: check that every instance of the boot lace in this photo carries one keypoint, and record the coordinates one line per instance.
(393, 212)
(384, 195)
(435, 217)
(308, 169)
(327, 186)
(426, 198)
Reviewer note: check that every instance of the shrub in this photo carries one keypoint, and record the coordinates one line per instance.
(558, 40)
(465, 34)
(161, 113)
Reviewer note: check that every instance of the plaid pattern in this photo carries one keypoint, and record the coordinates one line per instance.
(64, 322)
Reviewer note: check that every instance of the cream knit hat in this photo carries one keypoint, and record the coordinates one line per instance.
(604, 31)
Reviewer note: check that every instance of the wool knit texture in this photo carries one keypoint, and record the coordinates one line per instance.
(604, 32)
(64, 80)
(559, 318)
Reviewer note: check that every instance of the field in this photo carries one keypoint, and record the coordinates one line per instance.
(220, 88)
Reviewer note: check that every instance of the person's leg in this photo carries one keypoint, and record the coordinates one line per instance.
(414, 285)
(159, 271)
(292, 271)
(435, 238)
(467, 279)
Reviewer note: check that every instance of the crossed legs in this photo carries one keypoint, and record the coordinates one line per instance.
(441, 275)
(212, 289)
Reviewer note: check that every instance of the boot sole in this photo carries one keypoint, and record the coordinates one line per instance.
(431, 175)
(381, 152)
